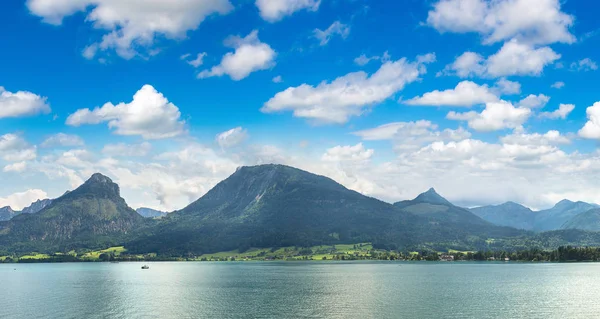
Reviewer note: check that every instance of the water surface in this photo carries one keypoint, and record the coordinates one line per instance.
(300, 290)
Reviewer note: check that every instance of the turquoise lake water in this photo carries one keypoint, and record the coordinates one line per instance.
(300, 290)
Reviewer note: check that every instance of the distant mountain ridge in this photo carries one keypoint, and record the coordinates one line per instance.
(432, 205)
(6, 213)
(518, 216)
(150, 213)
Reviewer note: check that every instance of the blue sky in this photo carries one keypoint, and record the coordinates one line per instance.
(467, 92)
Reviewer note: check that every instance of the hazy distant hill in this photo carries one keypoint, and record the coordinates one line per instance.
(555, 217)
(430, 204)
(508, 214)
(93, 215)
(589, 220)
(150, 213)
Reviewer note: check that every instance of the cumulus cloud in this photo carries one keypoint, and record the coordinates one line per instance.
(149, 114)
(127, 150)
(21, 200)
(533, 101)
(348, 95)
(411, 135)
(232, 137)
(62, 139)
(125, 25)
(558, 85)
(356, 153)
(465, 94)
(551, 137)
(513, 59)
(275, 10)
(529, 21)
(561, 113)
(504, 86)
(336, 28)
(496, 116)
(586, 64)
(21, 103)
(14, 148)
(250, 55)
(591, 129)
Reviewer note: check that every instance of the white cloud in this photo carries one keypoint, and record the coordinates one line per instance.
(21, 200)
(18, 167)
(496, 116)
(561, 113)
(513, 59)
(411, 135)
(127, 150)
(504, 86)
(591, 129)
(275, 10)
(551, 137)
(62, 139)
(13, 148)
(586, 64)
(149, 114)
(129, 25)
(558, 85)
(232, 137)
(21, 103)
(364, 60)
(465, 94)
(277, 79)
(250, 55)
(348, 95)
(197, 62)
(356, 153)
(336, 28)
(529, 21)
(534, 101)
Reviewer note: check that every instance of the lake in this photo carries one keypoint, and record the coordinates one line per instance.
(300, 290)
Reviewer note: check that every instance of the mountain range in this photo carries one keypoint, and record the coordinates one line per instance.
(7, 212)
(561, 216)
(150, 213)
(278, 206)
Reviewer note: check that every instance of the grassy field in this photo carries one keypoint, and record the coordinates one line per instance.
(35, 256)
(323, 252)
(94, 255)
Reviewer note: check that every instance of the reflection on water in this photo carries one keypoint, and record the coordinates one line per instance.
(299, 290)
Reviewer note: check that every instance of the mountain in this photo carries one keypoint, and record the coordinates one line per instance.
(7, 213)
(278, 206)
(150, 213)
(93, 215)
(508, 214)
(36, 206)
(557, 216)
(589, 220)
(431, 205)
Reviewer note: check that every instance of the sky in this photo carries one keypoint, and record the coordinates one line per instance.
(486, 101)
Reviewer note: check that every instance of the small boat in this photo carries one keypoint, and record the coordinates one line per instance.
(145, 267)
